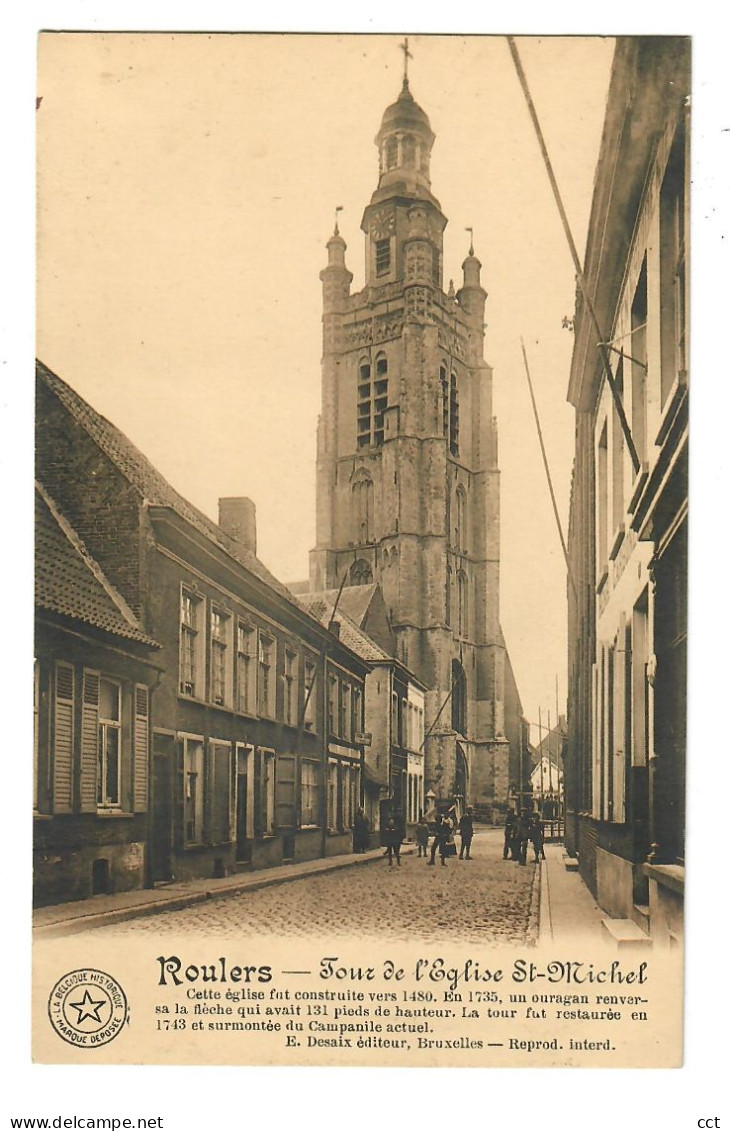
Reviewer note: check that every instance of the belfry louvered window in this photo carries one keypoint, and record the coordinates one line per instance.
(364, 405)
(372, 402)
(382, 257)
(454, 417)
(380, 400)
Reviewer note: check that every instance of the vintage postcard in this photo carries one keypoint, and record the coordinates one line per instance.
(361, 549)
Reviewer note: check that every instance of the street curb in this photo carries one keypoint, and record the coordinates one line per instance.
(533, 918)
(82, 923)
(545, 921)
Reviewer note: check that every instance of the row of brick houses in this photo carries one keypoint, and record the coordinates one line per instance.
(627, 628)
(394, 783)
(192, 718)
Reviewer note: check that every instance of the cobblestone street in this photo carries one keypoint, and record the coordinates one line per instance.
(486, 899)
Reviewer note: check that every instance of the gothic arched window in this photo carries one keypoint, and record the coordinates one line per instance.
(460, 542)
(360, 572)
(362, 508)
(458, 698)
(463, 597)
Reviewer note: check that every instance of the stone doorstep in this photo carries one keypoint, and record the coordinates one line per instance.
(626, 934)
(570, 862)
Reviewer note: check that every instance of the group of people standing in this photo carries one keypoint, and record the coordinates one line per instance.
(520, 830)
(443, 841)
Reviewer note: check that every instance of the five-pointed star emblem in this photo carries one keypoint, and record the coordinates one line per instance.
(88, 1008)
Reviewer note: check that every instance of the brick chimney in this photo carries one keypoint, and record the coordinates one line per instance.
(237, 517)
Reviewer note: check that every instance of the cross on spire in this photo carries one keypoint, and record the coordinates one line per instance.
(406, 56)
(471, 240)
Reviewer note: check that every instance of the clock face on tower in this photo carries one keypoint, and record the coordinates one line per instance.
(382, 224)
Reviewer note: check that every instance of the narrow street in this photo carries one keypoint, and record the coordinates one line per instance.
(487, 899)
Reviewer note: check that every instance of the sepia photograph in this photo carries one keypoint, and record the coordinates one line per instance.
(361, 537)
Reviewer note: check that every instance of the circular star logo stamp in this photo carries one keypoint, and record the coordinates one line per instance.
(87, 1008)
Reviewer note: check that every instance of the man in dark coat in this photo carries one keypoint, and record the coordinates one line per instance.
(393, 841)
(466, 832)
(537, 836)
(522, 835)
(441, 839)
(510, 824)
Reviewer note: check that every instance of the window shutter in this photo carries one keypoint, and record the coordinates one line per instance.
(220, 792)
(89, 742)
(178, 824)
(258, 817)
(141, 749)
(286, 791)
(63, 739)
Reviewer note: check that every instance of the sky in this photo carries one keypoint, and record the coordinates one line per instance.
(187, 185)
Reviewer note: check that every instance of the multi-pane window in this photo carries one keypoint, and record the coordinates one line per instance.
(267, 792)
(263, 792)
(332, 797)
(194, 790)
(192, 631)
(266, 680)
(291, 665)
(309, 794)
(310, 674)
(218, 655)
(345, 712)
(110, 744)
(245, 667)
(356, 711)
(350, 792)
(395, 720)
(332, 704)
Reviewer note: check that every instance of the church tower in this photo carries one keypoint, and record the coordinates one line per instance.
(407, 476)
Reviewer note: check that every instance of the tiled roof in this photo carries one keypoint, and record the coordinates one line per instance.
(321, 605)
(355, 600)
(147, 479)
(68, 580)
